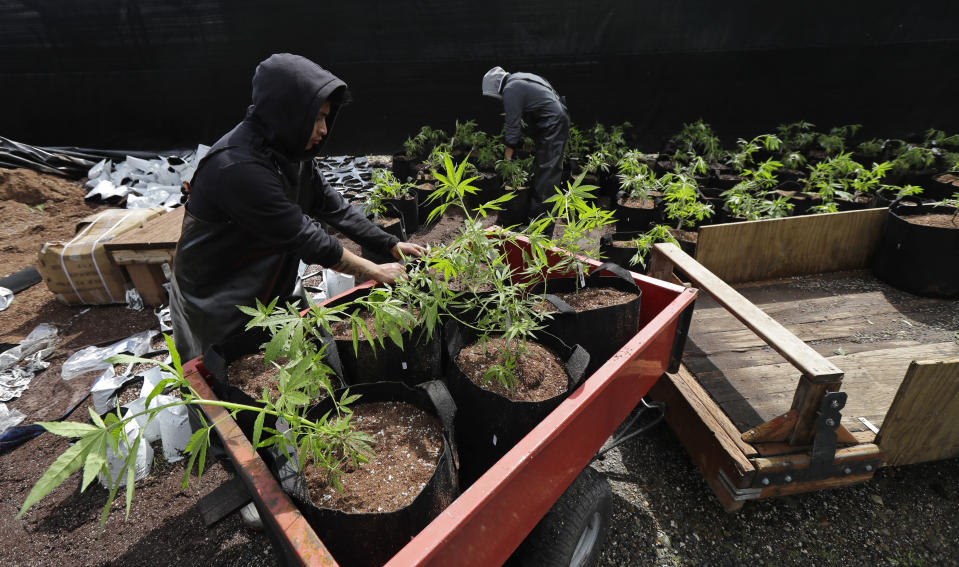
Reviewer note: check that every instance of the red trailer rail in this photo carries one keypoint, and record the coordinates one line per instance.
(488, 522)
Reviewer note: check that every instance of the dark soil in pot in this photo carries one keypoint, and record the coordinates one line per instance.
(943, 186)
(129, 391)
(408, 443)
(489, 424)
(539, 375)
(251, 374)
(379, 528)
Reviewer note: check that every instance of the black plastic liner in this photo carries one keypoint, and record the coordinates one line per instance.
(923, 260)
(487, 424)
(601, 331)
(370, 539)
(418, 361)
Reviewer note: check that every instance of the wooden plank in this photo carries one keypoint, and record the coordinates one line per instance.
(752, 395)
(847, 455)
(161, 232)
(809, 244)
(923, 422)
(808, 361)
(705, 434)
(148, 279)
(152, 256)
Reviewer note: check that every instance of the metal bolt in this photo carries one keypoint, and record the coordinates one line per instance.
(835, 404)
(765, 481)
(788, 479)
(831, 422)
(847, 470)
(868, 468)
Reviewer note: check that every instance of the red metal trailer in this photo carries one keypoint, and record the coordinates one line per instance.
(486, 524)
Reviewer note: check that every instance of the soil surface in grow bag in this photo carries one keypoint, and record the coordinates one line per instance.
(343, 330)
(592, 298)
(407, 445)
(934, 219)
(540, 374)
(129, 391)
(251, 373)
(638, 203)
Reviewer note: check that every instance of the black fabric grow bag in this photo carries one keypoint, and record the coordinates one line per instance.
(923, 260)
(487, 424)
(419, 360)
(632, 219)
(601, 331)
(372, 538)
(397, 229)
(620, 254)
(409, 210)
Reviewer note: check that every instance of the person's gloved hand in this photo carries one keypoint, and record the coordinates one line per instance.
(407, 250)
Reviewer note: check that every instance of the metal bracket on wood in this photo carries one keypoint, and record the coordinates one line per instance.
(738, 494)
(822, 459)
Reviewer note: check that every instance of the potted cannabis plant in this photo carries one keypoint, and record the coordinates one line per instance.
(635, 206)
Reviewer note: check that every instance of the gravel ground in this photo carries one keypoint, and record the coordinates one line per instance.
(665, 514)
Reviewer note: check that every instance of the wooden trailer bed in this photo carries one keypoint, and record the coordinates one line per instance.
(804, 331)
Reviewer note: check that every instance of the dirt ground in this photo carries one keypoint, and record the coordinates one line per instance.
(663, 513)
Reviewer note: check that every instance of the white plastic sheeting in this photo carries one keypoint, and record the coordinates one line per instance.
(145, 183)
(21, 363)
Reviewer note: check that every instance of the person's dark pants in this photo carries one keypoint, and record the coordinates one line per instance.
(548, 164)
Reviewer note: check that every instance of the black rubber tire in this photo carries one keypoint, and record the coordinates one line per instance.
(581, 513)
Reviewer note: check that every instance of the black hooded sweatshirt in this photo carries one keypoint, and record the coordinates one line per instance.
(249, 221)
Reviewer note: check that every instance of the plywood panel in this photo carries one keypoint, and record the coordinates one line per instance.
(161, 232)
(756, 394)
(813, 244)
(923, 421)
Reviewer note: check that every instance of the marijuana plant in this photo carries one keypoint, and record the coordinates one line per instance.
(754, 198)
(697, 139)
(835, 141)
(385, 187)
(514, 172)
(422, 143)
(681, 196)
(744, 156)
(636, 179)
(644, 242)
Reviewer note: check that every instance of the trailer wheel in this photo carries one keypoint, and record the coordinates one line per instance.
(573, 531)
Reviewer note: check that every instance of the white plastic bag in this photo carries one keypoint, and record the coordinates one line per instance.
(143, 460)
(92, 358)
(337, 283)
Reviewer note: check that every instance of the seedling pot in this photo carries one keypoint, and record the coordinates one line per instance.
(370, 539)
(923, 260)
(403, 167)
(488, 424)
(620, 254)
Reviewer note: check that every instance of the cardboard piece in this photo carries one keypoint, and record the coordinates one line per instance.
(80, 271)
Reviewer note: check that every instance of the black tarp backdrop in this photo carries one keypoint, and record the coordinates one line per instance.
(155, 74)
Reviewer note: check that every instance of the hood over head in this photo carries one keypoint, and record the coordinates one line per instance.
(493, 82)
(288, 91)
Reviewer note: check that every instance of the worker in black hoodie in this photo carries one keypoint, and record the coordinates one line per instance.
(531, 98)
(249, 218)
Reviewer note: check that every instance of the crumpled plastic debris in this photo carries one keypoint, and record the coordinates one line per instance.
(92, 358)
(21, 363)
(134, 301)
(166, 321)
(144, 182)
(9, 417)
(6, 298)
